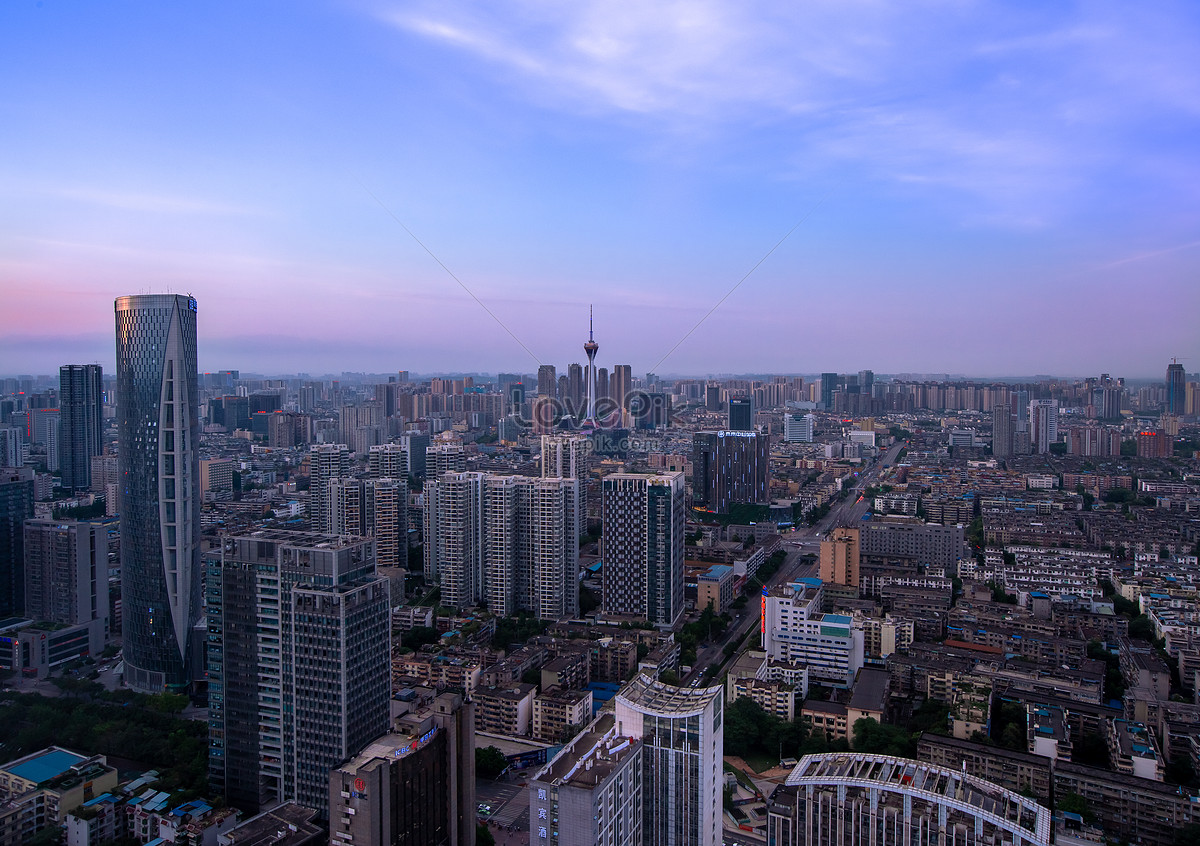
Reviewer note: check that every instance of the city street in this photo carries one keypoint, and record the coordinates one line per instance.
(802, 541)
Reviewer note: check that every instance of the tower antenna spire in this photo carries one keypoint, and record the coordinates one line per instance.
(590, 349)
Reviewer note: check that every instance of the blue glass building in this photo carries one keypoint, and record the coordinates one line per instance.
(159, 432)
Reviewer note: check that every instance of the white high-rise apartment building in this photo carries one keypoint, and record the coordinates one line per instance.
(512, 540)
(326, 462)
(683, 741)
(1043, 424)
(565, 457)
(373, 508)
(390, 461)
(454, 541)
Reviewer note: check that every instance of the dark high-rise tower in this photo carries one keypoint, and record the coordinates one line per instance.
(159, 430)
(81, 423)
(741, 414)
(1176, 388)
(16, 506)
(829, 383)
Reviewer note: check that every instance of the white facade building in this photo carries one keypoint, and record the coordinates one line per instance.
(794, 630)
(683, 742)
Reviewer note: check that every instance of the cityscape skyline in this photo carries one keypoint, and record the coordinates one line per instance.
(1029, 165)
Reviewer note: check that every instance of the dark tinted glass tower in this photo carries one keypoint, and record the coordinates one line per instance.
(741, 414)
(16, 506)
(159, 429)
(81, 425)
(1176, 388)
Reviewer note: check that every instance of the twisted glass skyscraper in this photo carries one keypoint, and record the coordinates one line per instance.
(159, 430)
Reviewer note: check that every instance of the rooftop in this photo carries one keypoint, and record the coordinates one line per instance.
(591, 757)
(939, 784)
(649, 694)
(286, 825)
(45, 765)
(870, 690)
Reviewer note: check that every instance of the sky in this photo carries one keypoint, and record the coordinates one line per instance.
(365, 185)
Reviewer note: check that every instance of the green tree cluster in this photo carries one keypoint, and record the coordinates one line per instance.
(517, 629)
(489, 762)
(140, 731)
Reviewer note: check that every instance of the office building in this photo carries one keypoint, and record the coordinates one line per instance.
(590, 792)
(12, 447)
(158, 425)
(16, 506)
(66, 572)
(1176, 389)
(730, 468)
(795, 630)
(840, 558)
(712, 397)
(829, 384)
(643, 527)
(847, 799)
(413, 785)
(216, 477)
(1043, 424)
(929, 546)
(798, 428)
(81, 422)
(325, 463)
(299, 663)
(741, 414)
(682, 734)
(1002, 432)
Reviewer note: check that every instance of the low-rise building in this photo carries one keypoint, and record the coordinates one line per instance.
(505, 710)
(558, 711)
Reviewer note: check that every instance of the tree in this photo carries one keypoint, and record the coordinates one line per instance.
(1141, 628)
(168, 703)
(484, 836)
(1073, 803)
(489, 762)
(882, 738)
(419, 636)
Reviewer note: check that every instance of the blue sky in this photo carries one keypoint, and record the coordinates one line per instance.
(983, 188)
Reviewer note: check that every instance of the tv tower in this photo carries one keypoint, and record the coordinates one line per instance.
(591, 347)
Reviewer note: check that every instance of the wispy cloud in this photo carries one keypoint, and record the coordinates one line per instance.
(1016, 107)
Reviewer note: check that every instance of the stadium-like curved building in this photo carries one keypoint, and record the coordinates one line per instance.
(856, 799)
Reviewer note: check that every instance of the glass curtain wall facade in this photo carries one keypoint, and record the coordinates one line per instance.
(159, 430)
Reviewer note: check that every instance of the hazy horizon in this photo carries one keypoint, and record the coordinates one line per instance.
(986, 188)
